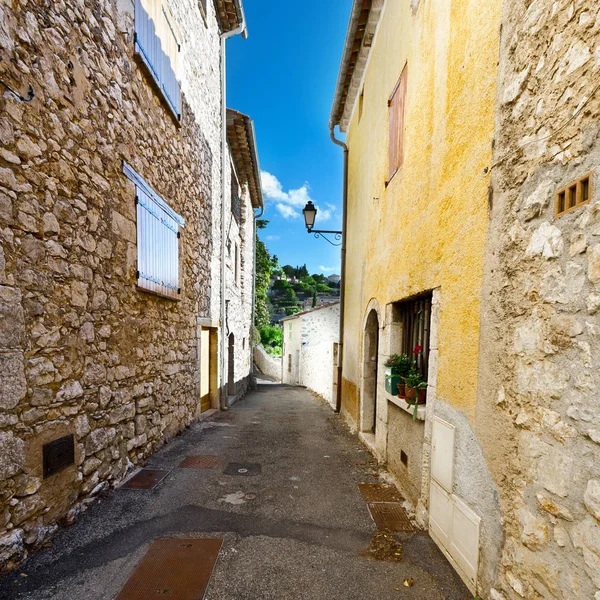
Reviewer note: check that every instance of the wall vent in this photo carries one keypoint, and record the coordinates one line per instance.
(58, 455)
(404, 458)
(573, 196)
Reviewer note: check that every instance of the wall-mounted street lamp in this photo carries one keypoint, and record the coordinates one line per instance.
(310, 214)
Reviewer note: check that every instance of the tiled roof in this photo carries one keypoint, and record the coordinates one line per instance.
(242, 143)
(359, 39)
(230, 13)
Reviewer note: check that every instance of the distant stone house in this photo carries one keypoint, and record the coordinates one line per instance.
(334, 279)
(309, 351)
(111, 233)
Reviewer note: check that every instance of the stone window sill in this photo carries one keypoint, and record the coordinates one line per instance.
(400, 403)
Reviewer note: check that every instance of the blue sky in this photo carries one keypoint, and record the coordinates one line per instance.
(284, 77)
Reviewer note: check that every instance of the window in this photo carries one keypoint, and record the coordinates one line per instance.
(157, 240)
(236, 202)
(573, 196)
(414, 317)
(203, 8)
(157, 46)
(397, 104)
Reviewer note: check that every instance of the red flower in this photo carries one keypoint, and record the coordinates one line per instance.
(417, 349)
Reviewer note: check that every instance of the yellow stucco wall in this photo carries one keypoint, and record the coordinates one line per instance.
(428, 228)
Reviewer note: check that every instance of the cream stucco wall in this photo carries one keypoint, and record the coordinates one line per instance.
(427, 228)
(426, 231)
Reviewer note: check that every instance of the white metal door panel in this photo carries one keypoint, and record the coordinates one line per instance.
(464, 542)
(442, 453)
(440, 514)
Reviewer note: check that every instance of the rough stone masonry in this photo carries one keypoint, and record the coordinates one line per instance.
(540, 361)
(82, 350)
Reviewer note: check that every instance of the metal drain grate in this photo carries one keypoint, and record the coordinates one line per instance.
(390, 516)
(146, 479)
(243, 469)
(173, 568)
(199, 462)
(379, 492)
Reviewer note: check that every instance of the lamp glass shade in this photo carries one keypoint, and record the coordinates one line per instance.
(310, 214)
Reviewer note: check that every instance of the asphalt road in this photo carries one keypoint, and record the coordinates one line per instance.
(298, 529)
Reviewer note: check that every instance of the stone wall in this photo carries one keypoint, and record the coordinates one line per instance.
(239, 289)
(320, 330)
(82, 351)
(268, 365)
(540, 349)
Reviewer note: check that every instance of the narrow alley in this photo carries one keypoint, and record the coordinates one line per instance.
(283, 496)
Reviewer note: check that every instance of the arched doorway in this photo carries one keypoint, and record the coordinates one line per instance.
(231, 366)
(369, 383)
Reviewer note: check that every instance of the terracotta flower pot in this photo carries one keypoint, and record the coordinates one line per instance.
(401, 390)
(412, 393)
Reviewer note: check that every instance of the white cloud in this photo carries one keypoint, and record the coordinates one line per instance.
(272, 238)
(290, 203)
(286, 211)
(327, 269)
(272, 187)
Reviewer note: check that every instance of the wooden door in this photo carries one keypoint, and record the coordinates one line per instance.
(204, 370)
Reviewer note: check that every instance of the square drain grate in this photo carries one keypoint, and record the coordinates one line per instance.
(243, 469)
(145, 479)
(173, 568)
(199, 462)
(379, 492)
(390, 516)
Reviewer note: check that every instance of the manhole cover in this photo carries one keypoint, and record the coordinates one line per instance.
(379, 492)
(390, 516)
(199, 462)
(173, 568)
(145, 479)
(242, 469)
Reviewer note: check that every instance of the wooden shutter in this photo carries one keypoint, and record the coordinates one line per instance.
(157, 240)
(397, 105)
(157, 44)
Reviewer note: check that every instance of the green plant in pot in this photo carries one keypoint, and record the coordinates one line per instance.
(415, 390)
(397, 368)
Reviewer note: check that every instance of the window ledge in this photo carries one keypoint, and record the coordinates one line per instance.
(400, 403)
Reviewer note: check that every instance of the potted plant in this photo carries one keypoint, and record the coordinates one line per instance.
(415, 390)
(397, 368)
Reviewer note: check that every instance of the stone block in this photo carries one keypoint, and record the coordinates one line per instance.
(12, 548)
(13, 386)
(593, 255)
(12, 454)
(98, 440)
(546, 241)
(591, 498)
(12, 322)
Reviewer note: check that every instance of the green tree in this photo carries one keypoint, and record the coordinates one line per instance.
(262, 315)
(314, 300)
(288, 270)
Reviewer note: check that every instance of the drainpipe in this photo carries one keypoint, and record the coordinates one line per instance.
(224, 37)
(338, 399)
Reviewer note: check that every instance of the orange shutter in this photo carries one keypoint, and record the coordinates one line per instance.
(397, 104)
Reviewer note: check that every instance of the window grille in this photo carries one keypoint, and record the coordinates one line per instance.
(415, 316)
(157, 46)
(397, 104)
(573, 196)
(157, 240)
